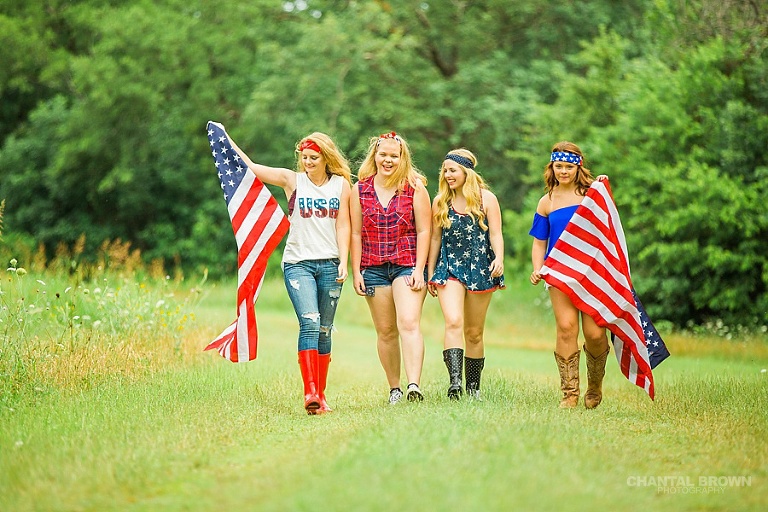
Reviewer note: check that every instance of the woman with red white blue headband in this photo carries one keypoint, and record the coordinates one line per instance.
(390, 217)
(466, 264)
(316, 251)
(566, 183)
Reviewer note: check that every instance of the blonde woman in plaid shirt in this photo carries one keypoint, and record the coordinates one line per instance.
(391, 224)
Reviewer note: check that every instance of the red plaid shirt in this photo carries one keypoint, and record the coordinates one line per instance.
(388, 234)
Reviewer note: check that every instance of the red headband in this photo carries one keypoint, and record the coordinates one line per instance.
(309, 144)
(390, 135)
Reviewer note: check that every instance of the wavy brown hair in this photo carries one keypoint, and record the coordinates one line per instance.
(583, 175)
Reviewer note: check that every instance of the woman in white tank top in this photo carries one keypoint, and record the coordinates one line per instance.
(316, 251)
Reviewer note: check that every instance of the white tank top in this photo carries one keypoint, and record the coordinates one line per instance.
(313, 220)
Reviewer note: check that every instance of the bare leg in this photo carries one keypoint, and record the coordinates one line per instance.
(567, 352)
(387, 343)
(451, 297)
(595, 339)
(567, 320)
(408, 304)
(475, 310)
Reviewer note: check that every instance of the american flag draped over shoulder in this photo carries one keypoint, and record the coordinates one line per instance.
(590, 264)
(259, 225)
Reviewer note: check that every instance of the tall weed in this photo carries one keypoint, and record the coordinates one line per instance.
(72, 325)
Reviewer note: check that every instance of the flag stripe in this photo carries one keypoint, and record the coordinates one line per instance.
(570, 263)
(590, 264)
(611, 299)
(254, 264)
(259, 234)
(259, 225)
(253, 258)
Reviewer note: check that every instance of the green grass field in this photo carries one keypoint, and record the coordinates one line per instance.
(200, 433)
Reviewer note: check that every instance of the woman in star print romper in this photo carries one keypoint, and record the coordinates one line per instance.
(466, 264)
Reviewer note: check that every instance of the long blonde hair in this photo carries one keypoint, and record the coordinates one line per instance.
(583, 175)
(406, 171)
(335, 161)
(472, 191)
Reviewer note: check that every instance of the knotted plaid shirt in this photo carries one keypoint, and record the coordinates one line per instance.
(388, 234)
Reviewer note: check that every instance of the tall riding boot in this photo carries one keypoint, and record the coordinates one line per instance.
(473, 368)
(323, 362)
(453, 358)
(569, 379)
(308, 362)
(595, 374)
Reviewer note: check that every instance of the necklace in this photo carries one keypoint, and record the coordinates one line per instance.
(323, 182)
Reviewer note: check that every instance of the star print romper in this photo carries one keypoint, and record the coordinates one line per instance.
(466, 255)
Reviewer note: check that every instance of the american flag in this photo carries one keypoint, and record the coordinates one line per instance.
(259, 225)
(590, 264)
(657, 350)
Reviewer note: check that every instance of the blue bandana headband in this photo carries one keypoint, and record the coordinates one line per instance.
(565, 156)
(461, 160)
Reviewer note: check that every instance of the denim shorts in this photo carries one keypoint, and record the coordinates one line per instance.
(383, 275)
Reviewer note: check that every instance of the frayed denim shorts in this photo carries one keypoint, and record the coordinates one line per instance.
(384, 275)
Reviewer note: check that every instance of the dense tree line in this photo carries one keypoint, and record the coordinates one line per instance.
(103, 105)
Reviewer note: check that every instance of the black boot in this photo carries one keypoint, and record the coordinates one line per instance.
(453, 358)
(473, 368)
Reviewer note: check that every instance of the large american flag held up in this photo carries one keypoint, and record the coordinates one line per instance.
(259, 225)
(590, 264)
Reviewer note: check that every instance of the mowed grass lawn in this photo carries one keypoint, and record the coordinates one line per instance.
(211, 435)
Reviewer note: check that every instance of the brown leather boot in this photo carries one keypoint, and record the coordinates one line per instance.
(595, 374)
(569, 379)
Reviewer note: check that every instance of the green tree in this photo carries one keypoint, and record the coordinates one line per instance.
(688, 188)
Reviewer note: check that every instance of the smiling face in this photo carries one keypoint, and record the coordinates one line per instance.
(312, 161)
(565, 172)
(387, 157)
(453, 174)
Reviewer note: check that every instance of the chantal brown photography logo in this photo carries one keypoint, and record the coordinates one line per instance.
(676, 484)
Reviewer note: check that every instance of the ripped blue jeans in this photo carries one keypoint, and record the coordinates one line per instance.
(315, 293)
